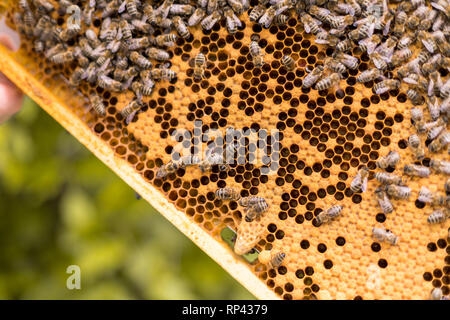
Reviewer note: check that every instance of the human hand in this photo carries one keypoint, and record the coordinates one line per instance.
(11, 97)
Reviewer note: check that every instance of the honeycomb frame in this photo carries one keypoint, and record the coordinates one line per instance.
(359, 135)
(53, 105)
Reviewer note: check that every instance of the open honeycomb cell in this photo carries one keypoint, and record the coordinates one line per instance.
(325, 137)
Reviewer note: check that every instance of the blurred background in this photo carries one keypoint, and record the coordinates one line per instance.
(60, 206)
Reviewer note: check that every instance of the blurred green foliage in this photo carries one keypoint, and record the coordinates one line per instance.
(59, 205)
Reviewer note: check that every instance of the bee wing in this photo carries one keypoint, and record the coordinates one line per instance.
(122, 6)
(382, 90)
(410, 81)
(427, 44)
(438, 6)
(364, 185)
(130, 117)
(387, 27)
(237, 21)
(307, 27)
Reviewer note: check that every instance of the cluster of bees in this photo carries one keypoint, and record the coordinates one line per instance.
(254, 206)
(205, 165)
(124, 54)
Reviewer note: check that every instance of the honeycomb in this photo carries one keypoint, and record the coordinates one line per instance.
(325, 137)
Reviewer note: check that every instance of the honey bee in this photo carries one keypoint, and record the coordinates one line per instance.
(386, 178)
(341, 22)
(140, 60)
(398, 192)
(329, 214)
(129, 111)
(346, 59)
(310, 24)
(92, 38)
(445, 90)
(91, 72)
(212, 5)
(126, 30)
(416, 147)
(383, 201)
(254, 207)
(400, 56)
(435, 199)
(76, 77)
(256, 53)
(63, 57)
(250, 201)
(163, 74)
(378, 61)
(121, 75)
(228, 194)
(440, 166)
(181, 9)
(167, 169)
(447, 187)
(369, 75)
(138, 43)
(107, 83)
(359, 183)
(190, 160)
(415, 97)
(416, 170)
(438, 216)
(434, 87)
(288, 62)
(97, 104)
(386, 85)
(436, 294)
(254, 211)
(365, 28)
(109, 29)
(431, 65)
(428, 41)
(328, 82)
(267, 18)
(440, 142)
(196, 17)
(384, 235)
(390, 160)
(43, 6)
(209, 21)
(164, 9)
(273, 260)
(199, 66)
(322, 14)
(441, 42)
(42, 25)
(435, 128)
(157, 54)
(324, 37)
(334, 65)
(166, 40)
(162, 22)
(257, 11)
(181, 27)
(405, 41)
(344, 45)
(211, 160)
(312, 77)
(369, 44)
(281, 19)
(233, 22)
